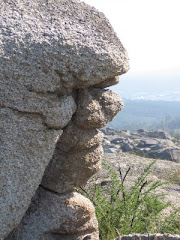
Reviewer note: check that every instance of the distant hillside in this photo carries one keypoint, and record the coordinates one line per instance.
(150, 115)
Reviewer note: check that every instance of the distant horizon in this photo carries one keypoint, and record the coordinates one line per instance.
(150, 87)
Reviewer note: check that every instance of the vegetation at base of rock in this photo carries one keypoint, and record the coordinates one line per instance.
(138, 209)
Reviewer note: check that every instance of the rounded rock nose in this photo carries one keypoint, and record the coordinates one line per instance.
(96, 107)
(107, 82)
(66, 40)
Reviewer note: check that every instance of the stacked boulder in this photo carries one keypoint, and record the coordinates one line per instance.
(56, 58)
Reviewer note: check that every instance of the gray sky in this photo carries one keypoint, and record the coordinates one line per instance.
(149, 30)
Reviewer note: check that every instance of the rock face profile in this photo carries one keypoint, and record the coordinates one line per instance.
(56, 58)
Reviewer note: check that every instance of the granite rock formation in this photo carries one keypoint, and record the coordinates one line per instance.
(153, 144)
(55, 59)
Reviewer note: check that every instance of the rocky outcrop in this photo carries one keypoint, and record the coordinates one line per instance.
(152, 144)
(55, 59)
(67, 214)
(80, 148)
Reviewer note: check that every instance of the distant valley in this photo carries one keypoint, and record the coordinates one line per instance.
(151, 102)
(148, 114)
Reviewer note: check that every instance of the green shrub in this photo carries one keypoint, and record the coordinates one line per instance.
(137, 209)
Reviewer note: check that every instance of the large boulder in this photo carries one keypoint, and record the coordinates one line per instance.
(159, 134)
(27, 146)
(79, 151)
(43, 220)
(56, 46)
(96, 107)
(49, 52)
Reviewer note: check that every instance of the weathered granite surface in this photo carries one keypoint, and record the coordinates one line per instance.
(51, 213)
(55, 58)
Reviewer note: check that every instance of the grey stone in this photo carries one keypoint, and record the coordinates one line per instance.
(141, 131)
(57, 45)
(78, 153)
(52, 216)
(163, 153)
(156, 147)
(48, 50)
(159, 134)
(147, 143)
(144, 144)
(126, 147)
(146, 150)
(66, 171)
(108, 131)
(26, 149)
(107, 83)
(117, 140)
(96, 108)
(111, 150)
(106, 143)
(75, 139)
(126, 132)
(175, 153)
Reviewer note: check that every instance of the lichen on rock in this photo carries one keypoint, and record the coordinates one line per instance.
(55, 59)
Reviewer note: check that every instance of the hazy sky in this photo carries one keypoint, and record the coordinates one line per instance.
(149, 30)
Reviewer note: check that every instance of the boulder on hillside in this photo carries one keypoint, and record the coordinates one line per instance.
(160, 134)
(151, 144)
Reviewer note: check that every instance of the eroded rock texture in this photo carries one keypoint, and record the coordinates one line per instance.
(55, 59)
